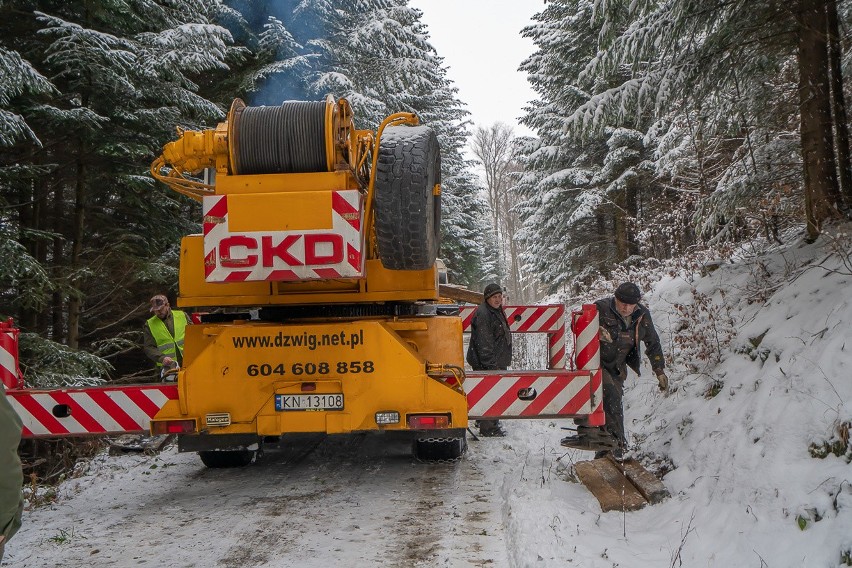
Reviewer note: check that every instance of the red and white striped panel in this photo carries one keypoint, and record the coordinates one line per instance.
(91, 410)
(548, 319)
(587, 355)
(554, 394)
(316, 254)
(10, 373)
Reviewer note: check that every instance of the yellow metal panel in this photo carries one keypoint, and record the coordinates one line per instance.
(440, 343)
(380, 279)
(238, 368)
(294, 211)
(270, 183)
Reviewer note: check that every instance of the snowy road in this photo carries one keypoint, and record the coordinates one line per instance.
(340, 501)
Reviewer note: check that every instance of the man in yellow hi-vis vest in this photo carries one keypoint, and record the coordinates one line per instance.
(164, 333)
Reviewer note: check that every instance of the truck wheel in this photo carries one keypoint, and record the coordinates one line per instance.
(407, 212)
(226, 458)
(446, 448)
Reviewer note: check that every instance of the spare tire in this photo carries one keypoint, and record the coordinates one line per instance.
(407, 213)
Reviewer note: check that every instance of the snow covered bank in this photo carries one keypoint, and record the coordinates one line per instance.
(761, 347)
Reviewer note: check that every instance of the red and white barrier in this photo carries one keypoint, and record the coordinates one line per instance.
(587, 355)
(10, 372)
(90, 410)
(549, 319)
(559, 394)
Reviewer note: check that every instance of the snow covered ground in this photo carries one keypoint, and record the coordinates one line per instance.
(760, 351)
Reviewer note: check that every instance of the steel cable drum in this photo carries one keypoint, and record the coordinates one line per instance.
(289, 138)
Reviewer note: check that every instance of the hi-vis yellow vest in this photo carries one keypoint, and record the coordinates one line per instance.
(169, 346)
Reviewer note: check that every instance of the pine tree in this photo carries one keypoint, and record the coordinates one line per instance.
(374, 53)
(123, 74)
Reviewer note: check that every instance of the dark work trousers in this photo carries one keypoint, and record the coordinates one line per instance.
(613, 392)
(488, 424)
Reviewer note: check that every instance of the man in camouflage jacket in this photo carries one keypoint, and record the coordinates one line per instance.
(624, 324)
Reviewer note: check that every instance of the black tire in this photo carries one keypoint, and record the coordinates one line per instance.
(407, 213)
(219, 459)
(440, 449)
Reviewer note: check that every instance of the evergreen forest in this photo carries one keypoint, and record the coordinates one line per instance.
(662, 129)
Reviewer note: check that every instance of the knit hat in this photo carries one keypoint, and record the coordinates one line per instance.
(492, 289)
(628, 293)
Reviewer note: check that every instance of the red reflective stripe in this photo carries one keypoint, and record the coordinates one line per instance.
(341, 206)
(511, 394)
(557, 361)
(353, 256)
(237, 276)
(210, 262)
(41, 415)
(327, 273)
(219, 209)
(549, 324)
(585, 355)
(102, 399)
(484, 386)
(85, 419)
(467, 317)
(576, 403)
(287, 275)
(141, 400)
(545, 397)
(530, 321)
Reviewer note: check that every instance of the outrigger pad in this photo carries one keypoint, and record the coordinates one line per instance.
(592, 443)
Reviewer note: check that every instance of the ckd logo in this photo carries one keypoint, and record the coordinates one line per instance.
(240, 251)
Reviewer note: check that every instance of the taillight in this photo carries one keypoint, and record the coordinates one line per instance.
(172, 427)
(428, 421)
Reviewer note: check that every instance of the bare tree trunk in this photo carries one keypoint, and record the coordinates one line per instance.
(77, 232)
(838, 107)
(609, 248)
(821, 191)
(41, 223)
(509, 221)
(493, 147)
(27, 318)
(57, 304)
(631, 212)
(621, 229)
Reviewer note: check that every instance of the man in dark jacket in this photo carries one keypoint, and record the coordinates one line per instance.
(490, 345)
(624, 323)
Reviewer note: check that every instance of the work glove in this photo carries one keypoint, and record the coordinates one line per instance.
(663, 379)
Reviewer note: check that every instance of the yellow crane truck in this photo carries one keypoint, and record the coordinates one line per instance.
(316, 276)
(317, 268)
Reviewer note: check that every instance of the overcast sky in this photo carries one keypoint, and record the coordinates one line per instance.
(481, 44)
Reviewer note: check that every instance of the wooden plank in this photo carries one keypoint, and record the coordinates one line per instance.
(645, 482)
(459, 293)
(612, 489)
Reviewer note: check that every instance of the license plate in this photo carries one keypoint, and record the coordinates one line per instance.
(287, 402)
